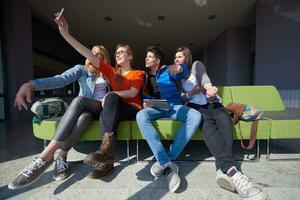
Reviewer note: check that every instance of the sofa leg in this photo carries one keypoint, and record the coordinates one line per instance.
(45, 143)
(268, 148)
(127, 141)
(257, 150)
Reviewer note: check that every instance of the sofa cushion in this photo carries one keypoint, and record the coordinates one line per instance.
(285, 124)
(266, 98)
(166, 128)
(263, 129)
(46, 130)
(225, 94)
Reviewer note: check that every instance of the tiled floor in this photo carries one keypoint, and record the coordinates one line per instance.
(131, 180)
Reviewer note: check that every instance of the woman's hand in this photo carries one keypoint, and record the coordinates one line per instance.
(24, 96)
(64, 31)
(211, 91)
(62, 24)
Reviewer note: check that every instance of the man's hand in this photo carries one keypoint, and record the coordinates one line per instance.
(197, 89)
(23, 97)
(147, 105)
(175, 69)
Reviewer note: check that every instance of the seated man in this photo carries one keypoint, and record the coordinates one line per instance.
(161, 83)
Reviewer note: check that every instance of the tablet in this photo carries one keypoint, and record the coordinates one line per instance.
(158, 103)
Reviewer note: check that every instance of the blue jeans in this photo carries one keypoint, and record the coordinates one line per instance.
(190, 119)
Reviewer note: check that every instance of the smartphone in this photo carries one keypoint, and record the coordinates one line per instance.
(60, 13)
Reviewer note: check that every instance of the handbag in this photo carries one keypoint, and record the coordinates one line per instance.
(47, 108)
(247, 113)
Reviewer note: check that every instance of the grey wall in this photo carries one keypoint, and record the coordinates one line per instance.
(216, 60)
(46, 39)
(228, 57)
(18, 33)
(238, 62)
(18, 51)
(278, 43)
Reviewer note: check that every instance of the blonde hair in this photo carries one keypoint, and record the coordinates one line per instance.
(188, 60)
(104, 56)
(119, 67)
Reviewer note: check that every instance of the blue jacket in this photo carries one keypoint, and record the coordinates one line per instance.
(167, 85)
(78, 73)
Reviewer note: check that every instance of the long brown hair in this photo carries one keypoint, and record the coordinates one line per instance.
(187, 54)
(119, 67)
(105, 57)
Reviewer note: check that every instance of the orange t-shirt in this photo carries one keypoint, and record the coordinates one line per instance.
(135, 78)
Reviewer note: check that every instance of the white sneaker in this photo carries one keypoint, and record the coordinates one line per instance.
(157, 170)
(173, 178)
(224, 181)
(244, 186)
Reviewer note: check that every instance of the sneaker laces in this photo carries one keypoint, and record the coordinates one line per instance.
(61, 165)
(243, 183)
(34, 165)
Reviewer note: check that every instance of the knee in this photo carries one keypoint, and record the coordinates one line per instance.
(142, 116)
(85, 117)
(112, 99)
(195, 116)
(112, 96)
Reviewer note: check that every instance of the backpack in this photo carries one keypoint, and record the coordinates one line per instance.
(47, 108)
(247, 113)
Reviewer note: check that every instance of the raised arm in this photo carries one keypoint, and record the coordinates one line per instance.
(23, 97)
(64, 31)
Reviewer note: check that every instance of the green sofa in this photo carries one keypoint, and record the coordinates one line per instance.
(278, 122)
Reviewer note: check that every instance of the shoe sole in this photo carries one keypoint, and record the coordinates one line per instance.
(93, 162)
(176, 186)
(223, 183)
(59, 178)
(260, 196)
(28, 184)
(99, 177)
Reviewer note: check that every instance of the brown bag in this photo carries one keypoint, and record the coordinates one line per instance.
(236, 110)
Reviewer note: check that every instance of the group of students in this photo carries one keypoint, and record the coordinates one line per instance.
(115, 94)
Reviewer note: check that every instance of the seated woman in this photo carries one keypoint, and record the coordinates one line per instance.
(82, 110)
(216, 127)
(121, 104)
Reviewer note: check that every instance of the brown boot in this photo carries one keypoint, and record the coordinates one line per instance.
(101, 170)
(105, 153)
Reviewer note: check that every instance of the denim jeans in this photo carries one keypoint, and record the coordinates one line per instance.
(190, 119)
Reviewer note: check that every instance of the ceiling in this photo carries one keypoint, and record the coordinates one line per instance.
(136, 22)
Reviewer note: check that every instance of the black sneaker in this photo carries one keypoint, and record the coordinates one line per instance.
(30, 173)
(60, 169)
